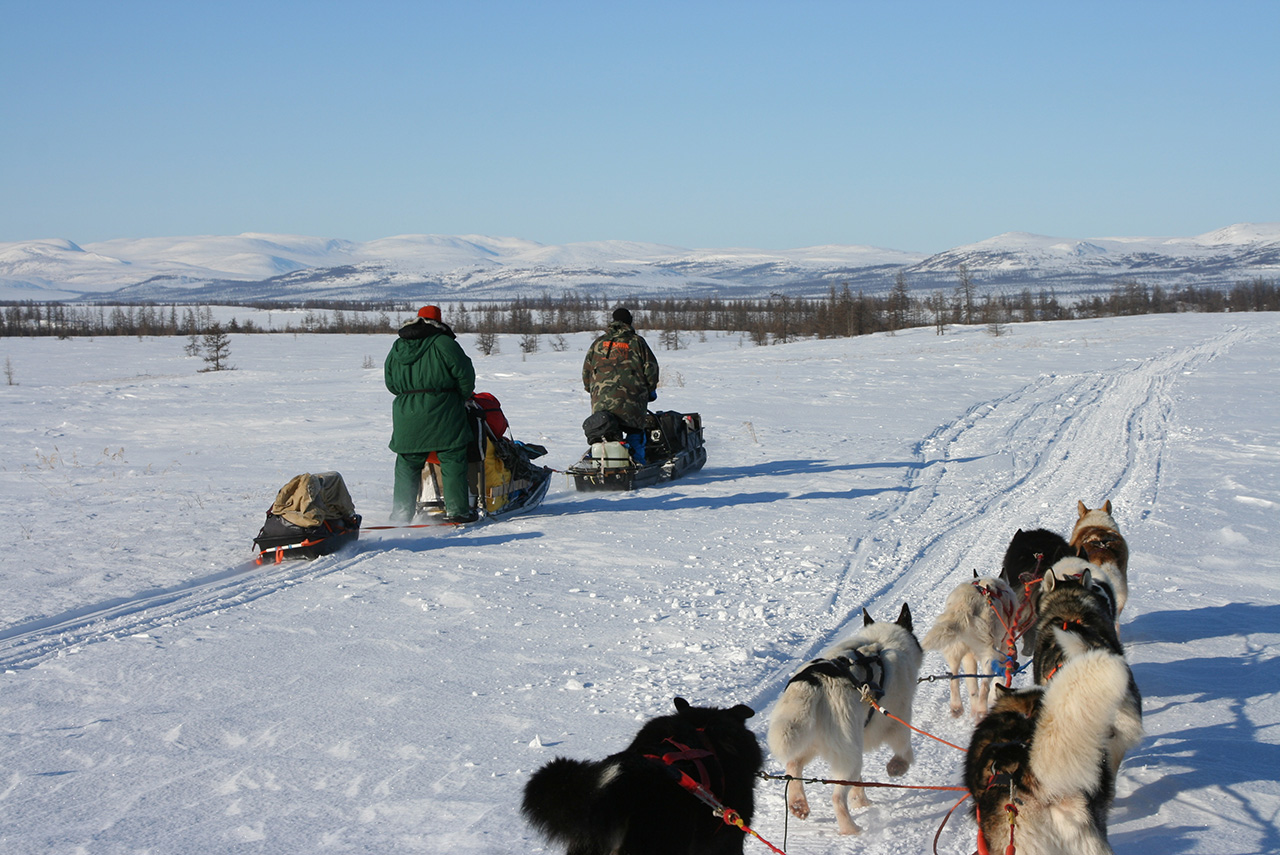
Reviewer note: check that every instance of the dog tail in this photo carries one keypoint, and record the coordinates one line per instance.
(564, 801)
(1079, 711)
(946, 632)
(963, 612)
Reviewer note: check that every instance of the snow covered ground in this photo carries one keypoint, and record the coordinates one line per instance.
(161, 694)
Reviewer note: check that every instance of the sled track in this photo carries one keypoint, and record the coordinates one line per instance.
(1018, 461)
(27, 644)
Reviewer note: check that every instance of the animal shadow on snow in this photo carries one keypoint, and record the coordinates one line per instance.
(1218, 755)
(1223, 753)
(1199, 624)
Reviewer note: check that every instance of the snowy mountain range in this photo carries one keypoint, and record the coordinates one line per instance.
(267, 267)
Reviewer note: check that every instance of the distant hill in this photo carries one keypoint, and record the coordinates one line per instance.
(472, 267)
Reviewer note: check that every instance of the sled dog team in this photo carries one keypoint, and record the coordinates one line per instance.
(1041, 764)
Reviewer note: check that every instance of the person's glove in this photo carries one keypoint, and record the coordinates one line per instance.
(653, 394)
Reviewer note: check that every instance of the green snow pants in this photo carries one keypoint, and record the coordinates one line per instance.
(453, 474)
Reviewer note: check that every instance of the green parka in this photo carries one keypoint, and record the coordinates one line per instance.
(432, 380)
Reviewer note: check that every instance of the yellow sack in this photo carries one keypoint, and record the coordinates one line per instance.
(497, 479)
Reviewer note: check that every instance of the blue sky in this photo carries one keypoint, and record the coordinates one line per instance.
(912, 125)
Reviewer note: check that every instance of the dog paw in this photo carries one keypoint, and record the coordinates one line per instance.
(799, 808)
(897, 767)
(850, 827)
(956, 712)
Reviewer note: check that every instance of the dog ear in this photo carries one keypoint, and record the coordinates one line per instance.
(742, 711)
(1002, 690)
(1106, 507)
(1047, 583)
(975, 572)
(1082, 509)
(904, 618)
(681, 705)
(1086, 579)
(866, 618)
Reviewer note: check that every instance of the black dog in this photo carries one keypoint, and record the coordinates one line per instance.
(632, 803)
(1027, 558)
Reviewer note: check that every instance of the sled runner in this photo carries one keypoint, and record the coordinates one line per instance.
(504, 482)
(672, 446)
(312, 515)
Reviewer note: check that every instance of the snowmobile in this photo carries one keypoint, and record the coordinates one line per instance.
(312, 515)
(504, 480)
(672, 447)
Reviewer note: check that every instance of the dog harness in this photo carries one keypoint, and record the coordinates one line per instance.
(841, 668)
(686, 756)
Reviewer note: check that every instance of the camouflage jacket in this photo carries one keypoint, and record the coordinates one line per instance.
(620, 372)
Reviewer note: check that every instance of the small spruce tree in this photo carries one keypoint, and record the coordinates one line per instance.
(215, 349)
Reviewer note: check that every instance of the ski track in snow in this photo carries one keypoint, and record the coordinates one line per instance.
(30, 643)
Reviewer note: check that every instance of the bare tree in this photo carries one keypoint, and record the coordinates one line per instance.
(938, 305)
(899, 303)
(966, 291)
(487, 331)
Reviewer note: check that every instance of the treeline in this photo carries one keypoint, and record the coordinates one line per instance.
(774, 319)
(30, 318)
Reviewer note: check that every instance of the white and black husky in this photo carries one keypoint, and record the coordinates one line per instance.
(1038, 766)
(821, 712)
(633, 802)
(1081, 609)
(972, 632)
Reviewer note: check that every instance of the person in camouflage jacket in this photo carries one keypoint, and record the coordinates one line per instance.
(432, 379)
(621, 373)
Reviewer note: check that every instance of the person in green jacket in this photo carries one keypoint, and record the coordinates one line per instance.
(432, 380)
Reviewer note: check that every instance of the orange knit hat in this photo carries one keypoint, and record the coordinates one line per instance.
(431, 313)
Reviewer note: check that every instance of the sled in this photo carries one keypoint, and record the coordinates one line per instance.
(673, 447)
(504, 481)
(312, 515)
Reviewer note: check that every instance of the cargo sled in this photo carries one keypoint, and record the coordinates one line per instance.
(504, 480)
(673, 447)
(312, 515)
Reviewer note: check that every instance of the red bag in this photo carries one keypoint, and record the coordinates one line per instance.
(492, 410)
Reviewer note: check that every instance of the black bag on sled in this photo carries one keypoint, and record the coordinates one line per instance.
(603, 427)
(665, 433)
(312, 515)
